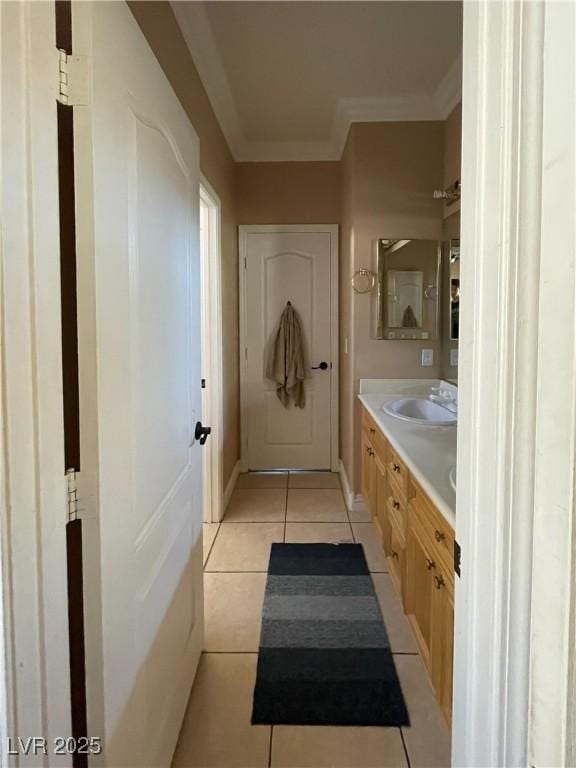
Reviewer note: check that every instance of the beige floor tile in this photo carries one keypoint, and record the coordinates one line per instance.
(217, 732)
(261, 505)
(360, 516)
(249, 480)
(244, 546)
(428, 737)
(365, 534)
(316, 506)
(397, 625)
(314, 480)
(318, 746)
(233, 611)
(313, 533)
(209, 534)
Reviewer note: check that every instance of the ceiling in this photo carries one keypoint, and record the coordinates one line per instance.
(286, 79)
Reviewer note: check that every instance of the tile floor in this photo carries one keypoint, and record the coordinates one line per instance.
(299, 507)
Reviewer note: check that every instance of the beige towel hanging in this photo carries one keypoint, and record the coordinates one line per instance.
(286, 364)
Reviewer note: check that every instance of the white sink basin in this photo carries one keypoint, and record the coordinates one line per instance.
(419, 410)
(453, 477)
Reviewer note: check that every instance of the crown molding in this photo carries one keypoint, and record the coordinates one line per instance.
(449, 92)
(197, 31)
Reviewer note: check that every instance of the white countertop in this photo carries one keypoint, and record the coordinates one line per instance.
(428, 452)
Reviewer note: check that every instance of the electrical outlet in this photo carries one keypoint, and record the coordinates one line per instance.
(427, 357)
(454, 358)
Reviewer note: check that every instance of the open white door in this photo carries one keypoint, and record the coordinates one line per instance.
(140, 483)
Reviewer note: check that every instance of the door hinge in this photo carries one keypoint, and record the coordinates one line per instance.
(73, 79)
(457, 557)
(72, 492)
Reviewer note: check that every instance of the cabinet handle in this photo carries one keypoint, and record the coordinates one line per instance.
(396, 467)
(430, 564)
(372, 431)
(438, 582)
(370, 452)
(395, 504)
(439, 536)
(394, 554)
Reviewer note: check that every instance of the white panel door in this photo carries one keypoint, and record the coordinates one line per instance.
(139, 328)
(296, 264)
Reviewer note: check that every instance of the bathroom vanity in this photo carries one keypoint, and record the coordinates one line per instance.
(406, 485)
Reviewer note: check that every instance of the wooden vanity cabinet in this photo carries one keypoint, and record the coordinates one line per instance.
(419, 547)
(429, 592)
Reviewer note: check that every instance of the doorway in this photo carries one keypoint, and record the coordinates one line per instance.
(212, 398)
(296, 265)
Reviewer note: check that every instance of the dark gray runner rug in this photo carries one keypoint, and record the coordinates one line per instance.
(324, 655)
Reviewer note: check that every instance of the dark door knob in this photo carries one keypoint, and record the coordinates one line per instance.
(321, 367)
(201, 433)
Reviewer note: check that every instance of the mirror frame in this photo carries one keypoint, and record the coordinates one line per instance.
(380, 321)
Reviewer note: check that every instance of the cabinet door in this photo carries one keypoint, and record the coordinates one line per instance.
(368, 474)
(396, 562)
(419, 593)
(443, 642)
(381, 504)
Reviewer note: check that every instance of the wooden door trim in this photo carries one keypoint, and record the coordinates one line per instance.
(332, 229)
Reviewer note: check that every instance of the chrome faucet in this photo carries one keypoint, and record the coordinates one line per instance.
(445, 397)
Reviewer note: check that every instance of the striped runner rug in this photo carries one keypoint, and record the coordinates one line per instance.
(324, 656)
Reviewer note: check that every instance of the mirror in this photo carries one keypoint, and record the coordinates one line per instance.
(406, 297)
(454, 295)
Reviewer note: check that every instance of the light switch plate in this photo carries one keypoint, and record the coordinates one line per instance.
(427, 357)
(454, 357)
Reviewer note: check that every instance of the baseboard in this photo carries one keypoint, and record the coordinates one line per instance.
(354, 501)
(230, 487)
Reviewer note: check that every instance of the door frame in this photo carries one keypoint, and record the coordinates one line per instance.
(35, 681)
(212, 353)
(332, 229)
(515, 661)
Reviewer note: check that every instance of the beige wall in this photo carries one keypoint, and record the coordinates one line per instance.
(382, 187)
(453, 146)
(345, 304)
(288, 193)
(393, 169)
(163, 34)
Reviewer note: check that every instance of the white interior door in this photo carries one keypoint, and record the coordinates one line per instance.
(296, 264)
(139, 331)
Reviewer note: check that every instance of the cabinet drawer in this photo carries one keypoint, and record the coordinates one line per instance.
(398, 470)
(435, 530)
(375, 435)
